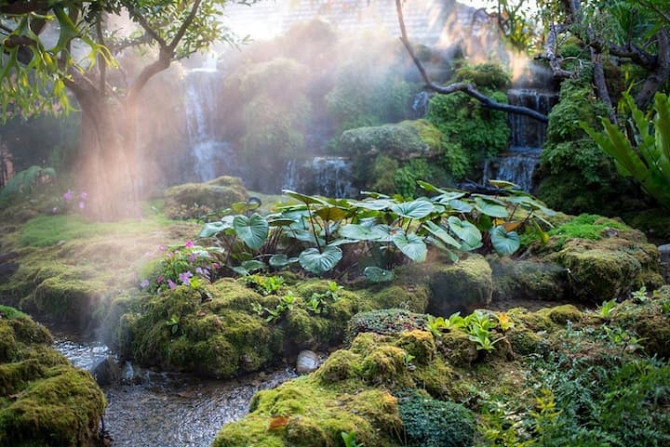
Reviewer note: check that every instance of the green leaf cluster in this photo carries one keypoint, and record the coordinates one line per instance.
(644, 153)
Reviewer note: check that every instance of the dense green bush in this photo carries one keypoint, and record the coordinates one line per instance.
(429, 422)
(577, 175)
(471, 133)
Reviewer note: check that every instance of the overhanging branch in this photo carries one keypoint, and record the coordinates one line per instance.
(466, 88)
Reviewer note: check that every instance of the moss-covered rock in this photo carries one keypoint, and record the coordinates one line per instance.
(603, 258)
(650, 321)
(515, 279)
(45, 401)
(192, 200)
(461, 287)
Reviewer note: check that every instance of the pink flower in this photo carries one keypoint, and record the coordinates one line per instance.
(159, 279)
(215, 265)
(147, 254)
(189, 244)
(162, 248)
(83, 196)
(68, 195)
(81, 205)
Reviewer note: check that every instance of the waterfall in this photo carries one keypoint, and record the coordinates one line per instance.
(420, 105)
(210, 154)
(326, 176)
(527, 136)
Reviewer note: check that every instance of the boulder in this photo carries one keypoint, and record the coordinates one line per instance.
(192, 200)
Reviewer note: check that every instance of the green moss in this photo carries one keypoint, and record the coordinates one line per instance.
(461, 287)
(439, 380)
(562, 314)
(192, 200)
(340, 366)
(52, 402)
(66, 300)
(457, 348)
(655, 223)
(385, 364)
(526, 342)
(587, 226)
(486, 75)
(527, 279)
(413, 299)
(419, 344)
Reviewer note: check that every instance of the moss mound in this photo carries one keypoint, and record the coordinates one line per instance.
(192, 200)
(229, 327)
(602, 259)
(44, 401)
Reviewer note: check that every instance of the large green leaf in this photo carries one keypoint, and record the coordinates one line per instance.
(213, 228)
(503, 242)
(441, 234)
(332, 213)
(376, 274)
(469, 233)
(416, 209)
(458, 205)
(253, 231)
(281, 260)
(358, 232)
(411, 245)
(491, 207)
(503, 184)
(373, 205)
(309, 200)
(319, 263)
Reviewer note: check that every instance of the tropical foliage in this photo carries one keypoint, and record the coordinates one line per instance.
(382, 231)
(642, 151)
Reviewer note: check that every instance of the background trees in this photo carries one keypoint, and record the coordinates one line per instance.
(38, 75)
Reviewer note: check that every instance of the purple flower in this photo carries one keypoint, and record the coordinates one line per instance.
(184, 278)
(81, 205)
(159, 279)
(83, 196)
(192, 257)
(171, 284)
(68, 195)
(215, 265)
(162, 248)
(189, 244)
(144, 284)
(199, 270)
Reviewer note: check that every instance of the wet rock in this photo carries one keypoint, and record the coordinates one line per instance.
(107, 372)
(7, 268)
(307, 362)
(664, 250)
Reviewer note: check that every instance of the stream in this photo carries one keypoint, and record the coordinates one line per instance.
(160, 409)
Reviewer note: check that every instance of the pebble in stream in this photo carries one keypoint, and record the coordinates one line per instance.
(167, 409)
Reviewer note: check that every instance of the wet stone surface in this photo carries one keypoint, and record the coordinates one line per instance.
(150, 409)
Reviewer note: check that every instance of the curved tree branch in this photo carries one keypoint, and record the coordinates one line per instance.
(466, 88)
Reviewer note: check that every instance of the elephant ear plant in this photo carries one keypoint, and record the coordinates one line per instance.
(643, 151)
(380, 231)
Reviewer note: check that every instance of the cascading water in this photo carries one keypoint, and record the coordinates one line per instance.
(420, 104)
(527, 136)
(327, 176)
(210, 154)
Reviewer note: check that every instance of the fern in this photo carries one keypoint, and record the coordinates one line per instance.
(24, 182)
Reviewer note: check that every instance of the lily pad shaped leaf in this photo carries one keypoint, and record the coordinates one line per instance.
(319, 263)
(359, 232)
(252, 230)
(281, 260)
(504, 184)
(490, 208)
(376, 274)
(503, 242)
(441, 234)
(305, 198)
(465, 230)
(416, 209)
(411, 245)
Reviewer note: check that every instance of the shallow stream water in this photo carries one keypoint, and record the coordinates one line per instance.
(169, 409)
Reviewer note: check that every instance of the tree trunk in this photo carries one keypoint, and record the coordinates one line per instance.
(107, 159)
